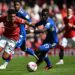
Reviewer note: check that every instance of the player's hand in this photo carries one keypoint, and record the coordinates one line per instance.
(70, 25)
(32, 24)
(31, 31)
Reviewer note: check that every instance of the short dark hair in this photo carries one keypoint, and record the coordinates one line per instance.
(19, 1)
(45, 12)
(11, 11)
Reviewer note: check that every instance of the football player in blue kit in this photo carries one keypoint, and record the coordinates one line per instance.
(51, 39)
(20, 12)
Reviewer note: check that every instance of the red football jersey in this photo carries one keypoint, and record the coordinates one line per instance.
(12, 28)
(69, 31)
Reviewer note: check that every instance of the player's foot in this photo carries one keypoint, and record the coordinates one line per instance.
(48, 67)
(2, 67)
(36, 57)
(60, 62)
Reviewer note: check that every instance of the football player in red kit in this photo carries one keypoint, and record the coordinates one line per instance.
(69, 34)
(11, 35)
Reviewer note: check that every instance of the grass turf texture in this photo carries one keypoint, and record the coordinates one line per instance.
(18, 67)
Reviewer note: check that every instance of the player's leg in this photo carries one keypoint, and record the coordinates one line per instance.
(2, 29)
(26, 49)
(7, 58)
(2, 43)
(61, 53)
(45, 47)
(42, 54)
(21, 42)
(48, 62)
(9, 50)
(31, 52)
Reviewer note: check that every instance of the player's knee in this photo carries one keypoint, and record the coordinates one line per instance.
(62, 47)
(5, 56)
(64, 43)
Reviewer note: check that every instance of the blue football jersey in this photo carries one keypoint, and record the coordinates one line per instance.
(23, 14)
(49, 24)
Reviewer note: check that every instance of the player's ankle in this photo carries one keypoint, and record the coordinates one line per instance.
(48, 67)
(61, 60)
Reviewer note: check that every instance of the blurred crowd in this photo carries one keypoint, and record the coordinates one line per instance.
(34, 8)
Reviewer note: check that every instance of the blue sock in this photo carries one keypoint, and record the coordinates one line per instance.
(46, 59)
(8, 60)
(30, 51)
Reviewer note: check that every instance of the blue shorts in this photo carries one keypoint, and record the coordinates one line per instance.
(46, 47)
(21, 42)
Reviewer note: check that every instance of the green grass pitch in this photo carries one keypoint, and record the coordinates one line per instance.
(18, 67)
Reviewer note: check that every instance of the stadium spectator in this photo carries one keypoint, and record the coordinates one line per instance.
(64, 11)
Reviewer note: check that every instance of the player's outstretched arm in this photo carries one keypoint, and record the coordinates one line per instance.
(22, 21)
(70, 25)
(36, 31)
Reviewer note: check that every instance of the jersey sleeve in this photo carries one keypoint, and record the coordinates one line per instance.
(38, 24)
(20, 20)
(49, 26)
(26, 16)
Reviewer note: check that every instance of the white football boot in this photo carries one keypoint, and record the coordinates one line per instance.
(60, 62)
(3, 66)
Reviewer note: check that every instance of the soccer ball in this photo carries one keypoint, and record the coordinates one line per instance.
(32, 66)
